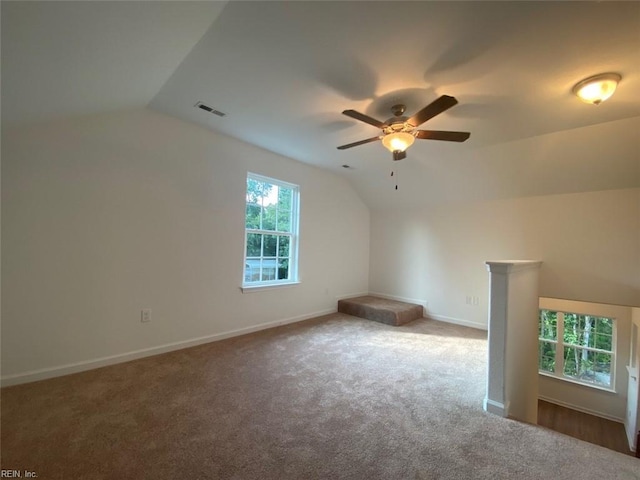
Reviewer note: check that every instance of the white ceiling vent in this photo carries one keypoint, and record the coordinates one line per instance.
(207, 108)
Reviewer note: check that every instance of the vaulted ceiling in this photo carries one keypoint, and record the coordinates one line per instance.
(283, 72)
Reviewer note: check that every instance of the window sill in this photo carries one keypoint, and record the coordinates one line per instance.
(259, 288)
(575, 382)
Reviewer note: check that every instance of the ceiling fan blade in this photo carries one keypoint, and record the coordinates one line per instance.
(398, 155)
(434, 108)
(355, 144)
(442, 135)
(364, 118)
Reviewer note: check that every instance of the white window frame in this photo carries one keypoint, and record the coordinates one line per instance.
(559, 346)
(293, 236)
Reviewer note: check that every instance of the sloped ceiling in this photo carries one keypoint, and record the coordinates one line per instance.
(283, 72)
(84, 57)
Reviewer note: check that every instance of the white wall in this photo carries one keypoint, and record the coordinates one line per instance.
(105, 215)
(589, 244)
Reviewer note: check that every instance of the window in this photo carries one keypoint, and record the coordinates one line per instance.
(579, 348)
(271, 232)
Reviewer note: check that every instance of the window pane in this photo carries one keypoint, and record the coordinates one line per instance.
(252, 270)
(604, 325)
(571, 328)
(571, 362)
(255, 191)
(254, 244)
(603, 342)
(284, 198)
(252, 217)
(284, 221)
(269, 217)
(547, 357)
(283, 269)
(588, 331)
(268, 269)
(603, 338)
(602, 369)
(548, 327)
(586, 366)
(269, 246)
(283, 246)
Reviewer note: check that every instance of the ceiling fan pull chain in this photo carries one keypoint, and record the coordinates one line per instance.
(396, 175)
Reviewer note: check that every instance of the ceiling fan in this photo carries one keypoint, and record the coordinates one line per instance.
(399, 132)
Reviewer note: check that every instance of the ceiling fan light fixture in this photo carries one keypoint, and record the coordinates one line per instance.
(398, 141)
(598, 88)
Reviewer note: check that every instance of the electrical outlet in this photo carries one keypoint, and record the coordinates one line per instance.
(468, 299)
(145, 315)
(476, 301)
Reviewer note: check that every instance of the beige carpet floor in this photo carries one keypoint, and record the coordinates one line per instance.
(336, 397)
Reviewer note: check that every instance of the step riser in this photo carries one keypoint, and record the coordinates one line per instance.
(380, 310)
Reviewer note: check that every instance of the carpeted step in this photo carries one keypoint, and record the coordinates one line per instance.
(381, 310)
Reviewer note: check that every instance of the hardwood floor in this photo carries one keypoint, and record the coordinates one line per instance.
(589, 428)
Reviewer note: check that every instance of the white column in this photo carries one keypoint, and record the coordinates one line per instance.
(632, 419)
(512, 383)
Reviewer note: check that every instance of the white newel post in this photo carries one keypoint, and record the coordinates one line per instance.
(512, 374)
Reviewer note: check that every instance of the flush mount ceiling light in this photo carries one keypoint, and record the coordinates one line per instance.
(598, 88)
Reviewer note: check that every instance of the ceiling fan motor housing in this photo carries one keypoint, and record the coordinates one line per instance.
(398, 109)
(397, 123)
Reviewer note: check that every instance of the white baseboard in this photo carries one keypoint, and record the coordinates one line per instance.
(457, 321)
(51, 372)
(351, 295)
(433, 316)
(496, 408)
(581, 409)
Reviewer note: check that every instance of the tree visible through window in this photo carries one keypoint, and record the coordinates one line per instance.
(271, 220)
(577, 347)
